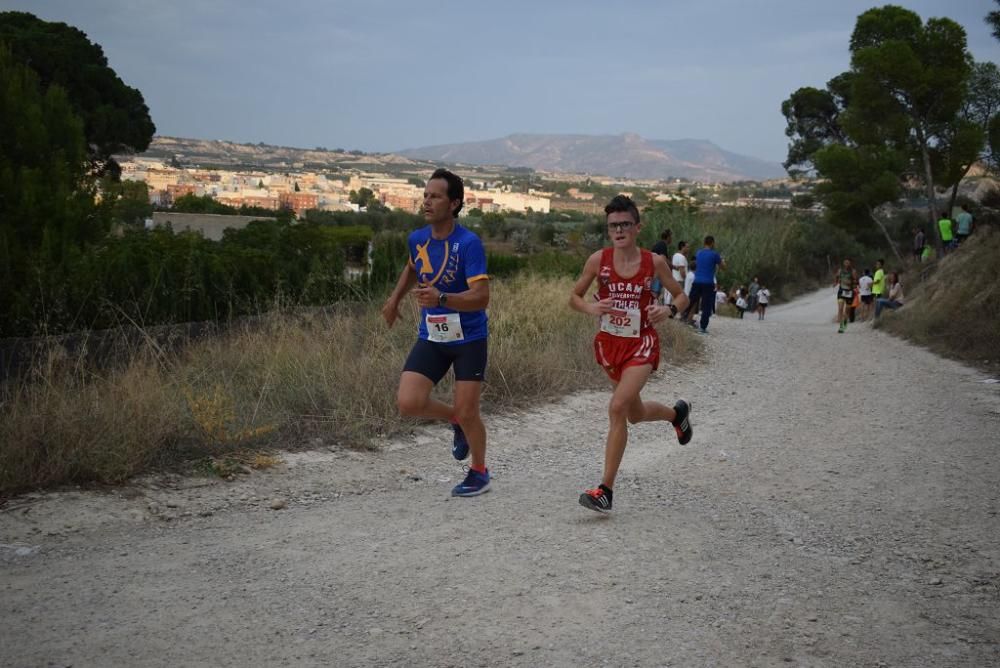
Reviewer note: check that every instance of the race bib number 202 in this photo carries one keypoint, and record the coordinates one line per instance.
(622, 322)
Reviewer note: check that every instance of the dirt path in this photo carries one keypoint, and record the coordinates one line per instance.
(837, 507)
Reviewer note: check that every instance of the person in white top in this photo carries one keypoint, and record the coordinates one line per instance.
(741, 303)
(763, 298)
(865, 294)
(680, 264)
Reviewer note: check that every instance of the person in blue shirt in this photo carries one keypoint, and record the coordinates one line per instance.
(703, 288)
(446, 272)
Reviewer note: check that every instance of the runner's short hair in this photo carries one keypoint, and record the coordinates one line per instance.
(681, 245)
(456, 189)
(709, 240)
(620, 203)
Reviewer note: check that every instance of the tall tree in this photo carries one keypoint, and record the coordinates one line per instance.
(900, 104)
(813, 117)
(909, 82)
(857, 181)
(47, 209)
(964, 142)
(993, 21)
(115, 116)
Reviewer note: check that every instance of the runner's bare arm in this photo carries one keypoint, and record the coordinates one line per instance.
(576, 298)
(476, 298)
(407, 279)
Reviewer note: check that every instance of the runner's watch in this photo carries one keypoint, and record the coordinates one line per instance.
(442, 298)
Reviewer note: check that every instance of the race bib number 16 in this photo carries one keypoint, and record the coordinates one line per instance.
(444, 327)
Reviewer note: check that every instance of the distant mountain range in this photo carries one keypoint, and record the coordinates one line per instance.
(625, 155)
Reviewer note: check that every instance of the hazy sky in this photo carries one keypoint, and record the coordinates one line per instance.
(381, 75)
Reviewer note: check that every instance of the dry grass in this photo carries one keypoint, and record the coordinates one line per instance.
(955, 310)
(64, 423)
(226, 399)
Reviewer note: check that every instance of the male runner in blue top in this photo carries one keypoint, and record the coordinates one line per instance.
(448, 267)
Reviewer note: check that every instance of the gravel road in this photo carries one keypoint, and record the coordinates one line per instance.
(837, 507)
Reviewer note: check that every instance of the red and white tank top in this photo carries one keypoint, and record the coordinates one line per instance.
(630, 296)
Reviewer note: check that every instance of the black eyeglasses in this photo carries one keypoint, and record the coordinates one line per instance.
(620, 227)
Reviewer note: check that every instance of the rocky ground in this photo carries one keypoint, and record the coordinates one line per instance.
(837, 507)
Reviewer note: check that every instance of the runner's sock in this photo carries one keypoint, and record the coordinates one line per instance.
(478, 469)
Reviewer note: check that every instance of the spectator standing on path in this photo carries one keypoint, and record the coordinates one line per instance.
(878, 281)
(447, 264)
(918, 243)
(752, 289)
(627, 345)
(680, 267)
(662, 247)
(895, 299)
(763, 299)
(865, 294)
(964, 225)
(703, 288)
(687, 316)
(947, 236)
(846, 280)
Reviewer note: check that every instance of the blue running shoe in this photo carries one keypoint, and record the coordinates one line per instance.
(459, 446)
(475, 483)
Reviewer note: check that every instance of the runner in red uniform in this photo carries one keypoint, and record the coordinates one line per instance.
(626, 338)
(627, 345)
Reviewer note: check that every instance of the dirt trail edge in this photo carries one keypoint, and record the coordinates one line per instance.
(837, 507)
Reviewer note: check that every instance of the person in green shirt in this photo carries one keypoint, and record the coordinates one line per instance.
(947, 236)
(878, 280)
(926, 255)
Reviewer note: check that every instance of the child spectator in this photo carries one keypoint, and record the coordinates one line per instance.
(865, 294)
(763, 299)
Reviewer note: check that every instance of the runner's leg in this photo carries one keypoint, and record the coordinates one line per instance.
(623, 402)
(707, 305)
(467, 393)
(648, 411)
(414, 398)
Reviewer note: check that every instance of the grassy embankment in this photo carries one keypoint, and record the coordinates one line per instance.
(955, 309)
(225, 401)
